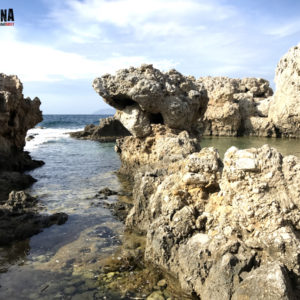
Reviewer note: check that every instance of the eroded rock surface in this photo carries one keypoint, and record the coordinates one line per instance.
(19, 217)
(233, 105)
(159, 149)
(225, 229)
(147, 96)
(108, 130)
(17, 115)
(285, 108)
(219, 106)
(214, 224)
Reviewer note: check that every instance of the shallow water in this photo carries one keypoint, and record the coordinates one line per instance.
(284, 146)
(62, 261)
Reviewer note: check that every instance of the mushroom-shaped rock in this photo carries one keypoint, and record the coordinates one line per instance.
(146, 95)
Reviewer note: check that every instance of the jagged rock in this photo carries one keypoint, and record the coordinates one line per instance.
(19, 201)
(135, 120)
(159, 149)
(20, 220)
(154, 97)
(231, 103)
(213, 226)
(285, 108)
(225, 230)
(17, 114)
(268, 282)
(108, 130)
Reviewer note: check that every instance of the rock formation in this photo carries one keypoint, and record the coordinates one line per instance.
(145, 96)
(19, 217)
(235, 107)
(17, 115)
(209, 105)
(108, 130)
(225, 229)
(285, 108)
(219, 226)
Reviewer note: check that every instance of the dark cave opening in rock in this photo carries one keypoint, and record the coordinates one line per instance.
(121, 101)
(12, 116)
(156, 118)
(2, 103)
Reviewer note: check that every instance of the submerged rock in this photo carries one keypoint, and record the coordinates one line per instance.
(19, 218)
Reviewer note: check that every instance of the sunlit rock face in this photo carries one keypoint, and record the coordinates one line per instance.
(235, 106)
(17, 114)
(225, 229)
(285, 108)
(147, 96)
(219, 226)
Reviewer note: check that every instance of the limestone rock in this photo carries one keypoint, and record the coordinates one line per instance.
(17, 114)
(136, 121)
(166, 98)
(268, 282)
(212, 225)
(231, 103)
(285, 108)
(162, 147)
(108, 130)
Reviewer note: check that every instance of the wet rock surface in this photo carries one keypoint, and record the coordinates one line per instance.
(108, 130)
(20, 218)
(17, 115)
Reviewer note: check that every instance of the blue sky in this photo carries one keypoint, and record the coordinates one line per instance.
(58, 47)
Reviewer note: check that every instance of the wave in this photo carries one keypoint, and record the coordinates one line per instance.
(42, 136)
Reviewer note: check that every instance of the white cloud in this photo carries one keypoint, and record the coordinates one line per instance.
(32, 62)
(143, 17)
(284, 30)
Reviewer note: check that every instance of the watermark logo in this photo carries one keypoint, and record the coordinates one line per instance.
(7, 17)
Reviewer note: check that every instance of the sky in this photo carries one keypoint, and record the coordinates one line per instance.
(58, 47)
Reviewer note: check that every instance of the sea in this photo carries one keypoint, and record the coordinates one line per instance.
(63, 262)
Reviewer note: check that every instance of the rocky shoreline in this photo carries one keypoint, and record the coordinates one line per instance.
(211, 106)
(221, 229)
(19, 215)
(224, 229)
